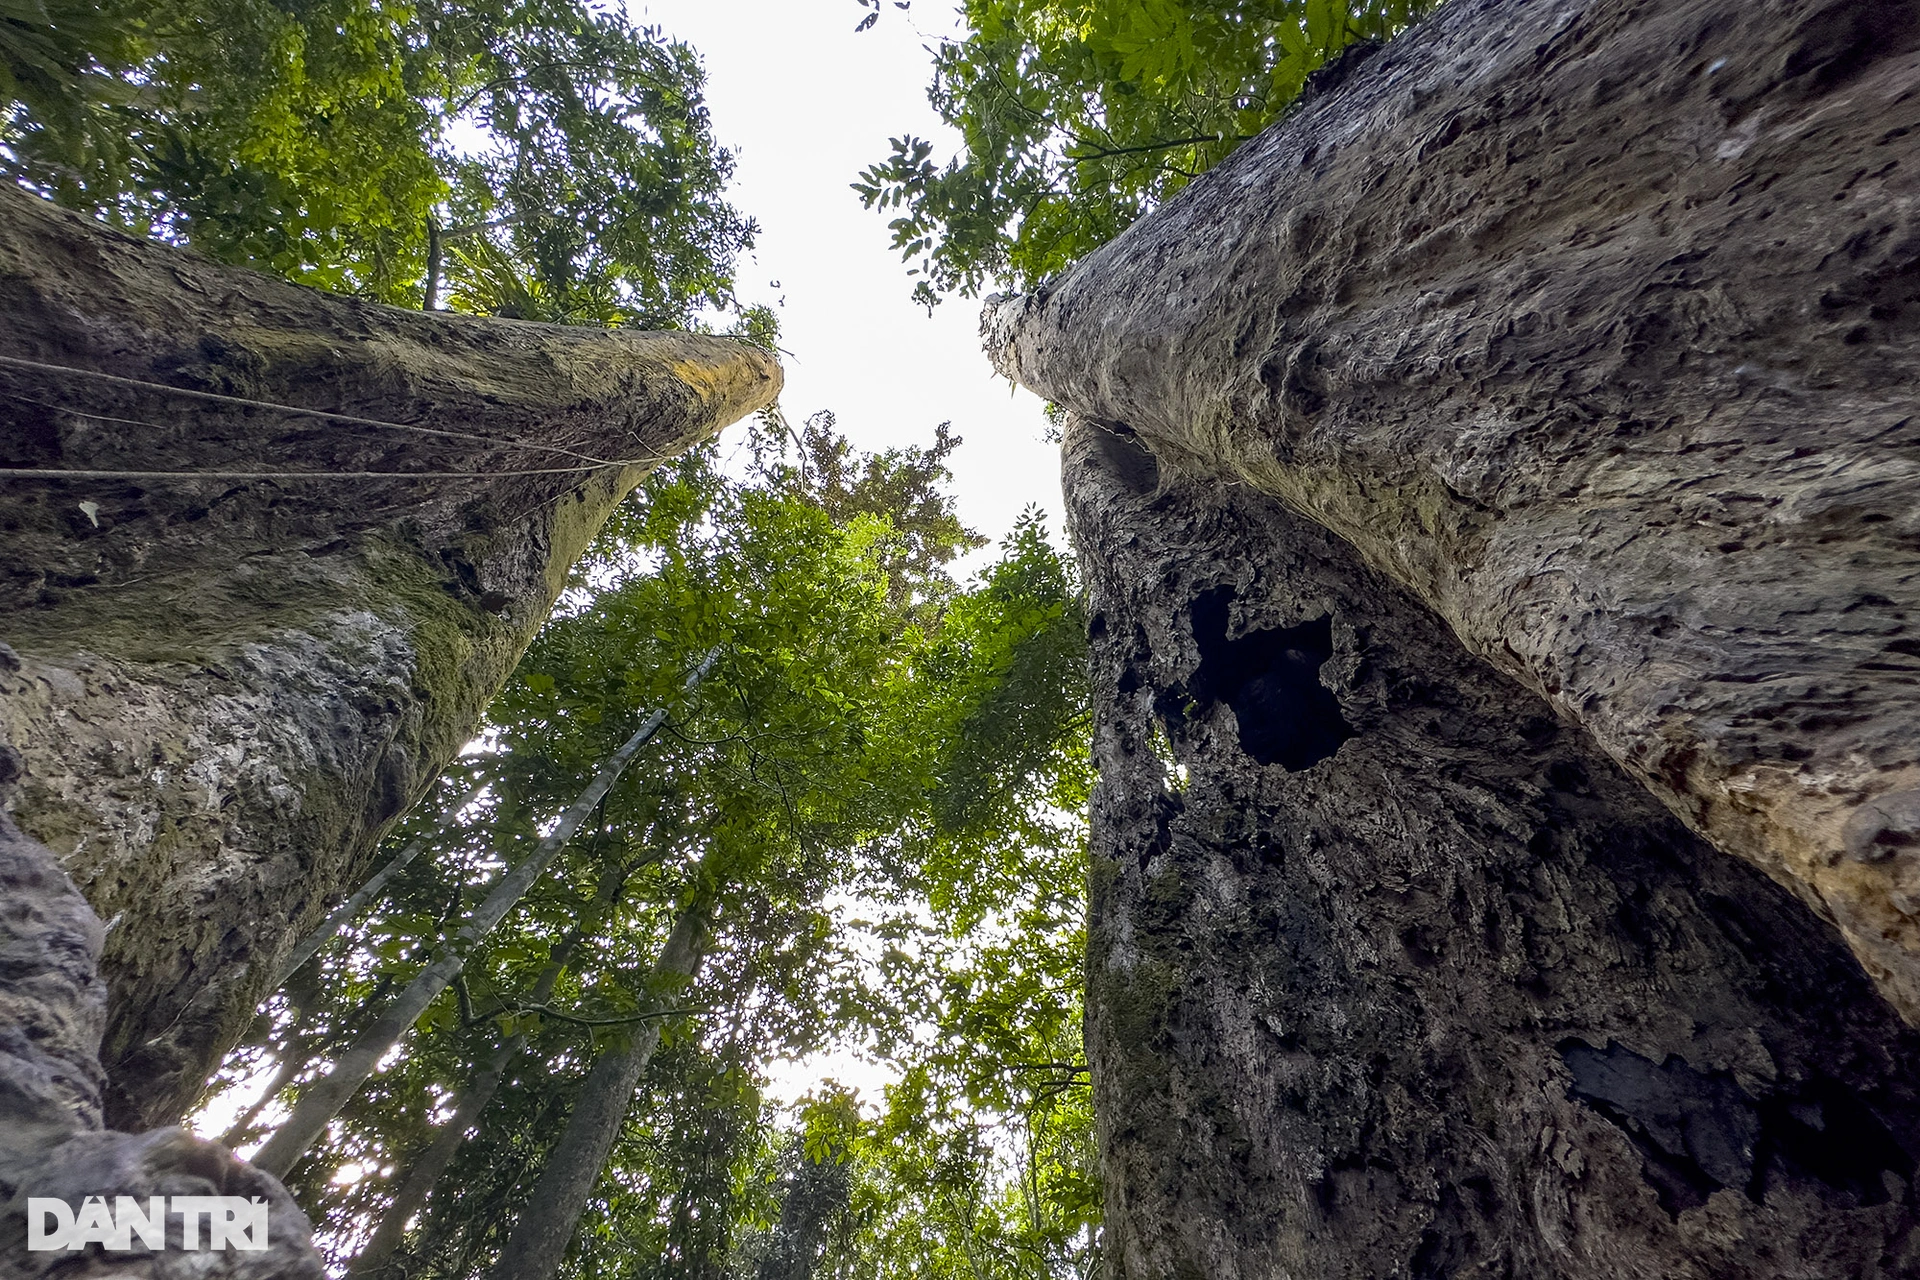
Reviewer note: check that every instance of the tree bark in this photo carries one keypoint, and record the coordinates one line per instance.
(1592, 323)
(546, 1225)
(225, 688)
(1395, 974)
(321, 1101)
(52, 1009)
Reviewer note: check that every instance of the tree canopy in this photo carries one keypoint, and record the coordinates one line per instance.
(1077, 116)
(871, 800)
(554, 160)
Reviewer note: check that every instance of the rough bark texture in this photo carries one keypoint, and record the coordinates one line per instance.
(52, 1009)
(224, 689)
(1395, 976)
(1593, 324)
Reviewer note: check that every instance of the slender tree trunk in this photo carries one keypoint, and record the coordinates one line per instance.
(436, 249)
(546, 1225)
(289, 1065)
(815, 1199)
(437, 240)
(425, 1171)
(344, 914)
(321, 1101)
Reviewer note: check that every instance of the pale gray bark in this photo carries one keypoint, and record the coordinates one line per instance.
(423, 1174)
(1595, 324)
(321, 1101)
(292, 1050)
(546, 1225)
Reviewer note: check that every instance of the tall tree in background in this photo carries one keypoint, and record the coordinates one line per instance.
(552, 159)
(981, 1165)
(873, 729)
(1077, 116)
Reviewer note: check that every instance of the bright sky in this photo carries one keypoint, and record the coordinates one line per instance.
(807, 103)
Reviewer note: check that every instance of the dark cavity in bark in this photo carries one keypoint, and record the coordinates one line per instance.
(1271, 679)
(1340, 1019)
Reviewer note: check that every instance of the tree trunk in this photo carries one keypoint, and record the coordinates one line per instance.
(436, 248)
(226, 685)
(1592, 323)
(546, 1225)
(357, 901)
(292, 1055)
(321, 1101)
(815, 1198)
(1396, 974)
(51, 1143)
(424, 1173)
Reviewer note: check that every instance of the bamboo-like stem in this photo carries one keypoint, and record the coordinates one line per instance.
(321, 1101)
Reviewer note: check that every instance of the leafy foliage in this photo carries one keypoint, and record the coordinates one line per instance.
(833, 756)
(353, 143)
(900, 487)
(982, 1162)
(1077, 116)
(60, 58)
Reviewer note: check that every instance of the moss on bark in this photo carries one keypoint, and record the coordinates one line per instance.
(224, 689)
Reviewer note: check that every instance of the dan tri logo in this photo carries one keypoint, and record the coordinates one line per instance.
(232, 1222)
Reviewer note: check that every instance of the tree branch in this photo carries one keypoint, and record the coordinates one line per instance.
(1107, 152)
(547, 1010)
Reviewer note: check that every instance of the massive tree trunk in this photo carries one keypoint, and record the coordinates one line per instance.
(1394, 974)
(1497, 487)
(226, 685)
(1592, 323)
